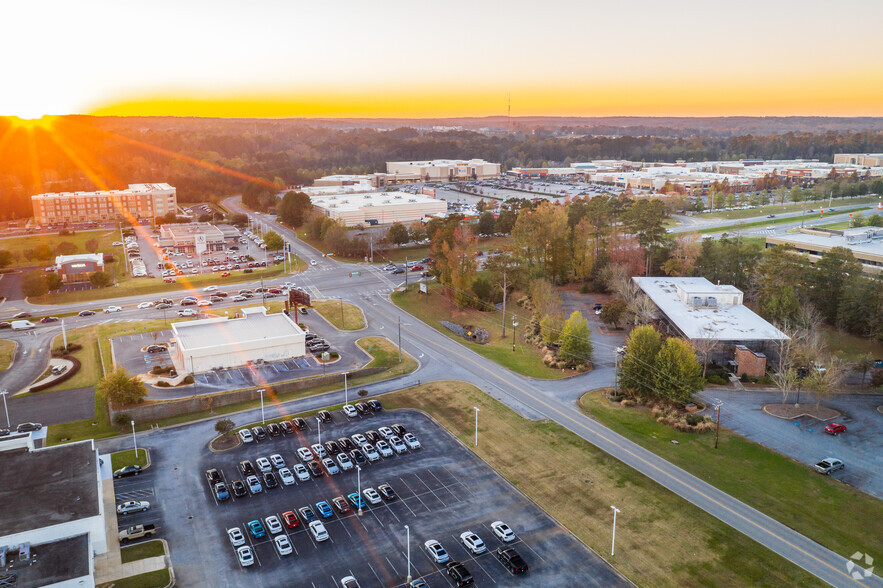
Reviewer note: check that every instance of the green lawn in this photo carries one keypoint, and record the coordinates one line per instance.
(768, 222)
(7, 349)
(17, 245)
(142, 551)
(661, 539)
(836, 226)
(776, 485)
(127, 457)
(850, 347)
(434, 308)
(343, 315)
(790, 207)
(157, 579)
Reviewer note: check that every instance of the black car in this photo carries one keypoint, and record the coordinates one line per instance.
(398, 429)
(286, 427)
(86, 313)
(320, 348)
(303, 310)
(132, 470)
(332, 447)
(259, 432)
(213, 476)
(373, 436)
(299, 424)
(22, 315)
(270, 480)
(49, 319)
(387, 492)
(246, 468)
(510, 558)
(361, 408)
(346, 444)
(459, 574)
(315, 469)
(324, 416)
(398, 270)
(358, 456)
(4, 432)
(162, 306)
(375, 405)
(221, 294)
(274, 430)
(238, 488)
(188, 302)
(155, 349)
(5, 325)
(310, 336)
(26, 427)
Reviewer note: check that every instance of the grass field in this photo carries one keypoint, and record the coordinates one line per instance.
(778, 486)
(7, 349)
(343, 315)
(661, 539)
(768, 222)
(17, 245)
(121, 459)
(157, 579)
(779, 209)
(434, 308)
(849, 347)
(142, 551)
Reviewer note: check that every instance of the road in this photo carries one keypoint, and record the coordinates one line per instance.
(734, 226)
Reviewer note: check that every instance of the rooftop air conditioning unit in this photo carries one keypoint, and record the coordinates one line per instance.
(697, 301)
(711, 301)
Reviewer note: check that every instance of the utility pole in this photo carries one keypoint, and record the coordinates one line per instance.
(400, 339)
(613, 543)
(64, 334)
(802, 214)
(717, 427)
(406, 272)
(371, 241)
(504, 304)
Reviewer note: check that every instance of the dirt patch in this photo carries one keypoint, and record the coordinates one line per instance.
(793, 411)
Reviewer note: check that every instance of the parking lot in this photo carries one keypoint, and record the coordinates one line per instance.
(443, 490)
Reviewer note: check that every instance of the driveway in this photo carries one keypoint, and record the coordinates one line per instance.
(805, 440)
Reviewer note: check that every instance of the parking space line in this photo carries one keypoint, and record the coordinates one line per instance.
(532, 550)
(375, 573)
(417, 496)
(433, 493)
(445, 486)
(390, 565)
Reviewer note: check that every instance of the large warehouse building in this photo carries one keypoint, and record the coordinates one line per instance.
(445, 170)
(52, 520)
(139, 201)
(382, 208)
(866, 244)
(222, 342)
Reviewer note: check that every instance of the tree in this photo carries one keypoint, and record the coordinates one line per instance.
(294, 208)
(101, 279)
(224, 427)
(66, 248)
(41, 252)
(825, 379)
(684, 255)
(678, 373)
(486, 223)
(239, 219)
(835, 273)
(205, 217)
(638, 364)
(484, 291)
(706, 345)
(273, 241)
(416, 232)
(397, 234)
(6, 258)
(460, 259)
(550, 327)
(121, 389)
(864, 363)
(92, 246)
(613, 312)
(34, 284)
(53, 281)
(575, 341)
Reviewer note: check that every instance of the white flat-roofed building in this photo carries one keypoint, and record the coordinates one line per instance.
(445, 170)
(222, 342)
(78, 268)
(696, 309)
(866, 244)
(138, 201)
(379, 207)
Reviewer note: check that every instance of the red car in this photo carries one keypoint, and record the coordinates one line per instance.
(225, 274)
(417, 268)
(290, 519)
(835, 428)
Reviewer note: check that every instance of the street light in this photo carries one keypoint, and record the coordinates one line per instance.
(261, 390)
(408, 529)
(476, 425)
(135, 439)
(514, 324)
(613, 543)
(4, 392)
(359, 486)
(319, 422)
(342, 321)
(346, 396)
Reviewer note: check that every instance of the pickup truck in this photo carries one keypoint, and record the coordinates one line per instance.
(137, 532)
(828, 465)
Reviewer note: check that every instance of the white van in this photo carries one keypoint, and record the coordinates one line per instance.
(22, 325)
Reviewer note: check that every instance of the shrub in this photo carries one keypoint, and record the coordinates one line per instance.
(186, 380)
(363, 392)
(247, 270)
(877, 378)
(334, 355)
(163, 384)
(584, 289)
(715, 379)
(745, 378)
(71, 348)
(122, 420)
(628, 403)
(694, 419)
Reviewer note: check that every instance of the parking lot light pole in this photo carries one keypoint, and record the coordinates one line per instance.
(319, 422)
(263, 421)
(359, 486)
(408, 529)
(476, 425)
(4, 392)
(135, 439)
(345, 391)
(613, 543)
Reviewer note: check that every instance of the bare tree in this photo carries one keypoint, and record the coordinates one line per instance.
(864, 363)
(706, 345)
(826, 379)
(643, 308)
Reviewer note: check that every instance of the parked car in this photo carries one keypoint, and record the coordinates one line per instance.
(315, 469)
(828, 465)
(273, 524)
(835, 428)
(290, 519)
(459, 574)
(349, 411)
(436, 552)
(330, 466)
(256, 529)
(273, 430)
(125, 472)
(245, 556)
(472, 542)
(133, 506)
(340, 504)
(238, 488)
(344, 461)
(387, 492)
(356, 500)
(510, 558)
(503, 531)
(307, 513)
(300, 470)
(375, 405)
(371, 496)
(236, 536)
(324, 416)
(246, 468)
(320, 533)
(270, 480)
(254, 485)
(155, 348)
(283, 545)
(411, 441)
(245, 436)
(324, 509)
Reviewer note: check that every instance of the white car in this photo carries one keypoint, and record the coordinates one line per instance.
(319, 450)
(146, 305)
(275, 526)
(503, 531)
(277, 461)
(345, 462)
(133, 506)
(305, 454)
(398, 445)
(320, 533)
(263, 464)
(187, 312)
(436, 551)
(371, 496)
(300, 470)
(330, 466)
(204, 303)
(286, 476)
(411, 441)
(245, 436)
(313, 262)
(245, 555)
(473, 542)
(385, 432)
(116, 244)
(194, 271)
(383, 448)
(283, 545)
(370, 452)
(254, 485)
(209, 288)
(112, 309)
(359, 439)
(350, 411)
(238, 298)
(236, 536)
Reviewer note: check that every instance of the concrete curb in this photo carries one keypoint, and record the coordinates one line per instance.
(803, 414)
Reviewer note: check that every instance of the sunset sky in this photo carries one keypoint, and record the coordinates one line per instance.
(275, 58)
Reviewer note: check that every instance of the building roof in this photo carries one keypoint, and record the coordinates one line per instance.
(256, 325)
(54, 562)
(864, 240)
(188, 230)
(95, 257)
(343, 202)
(724, 322)
(442, 162)
(132, 189)
(47, 486)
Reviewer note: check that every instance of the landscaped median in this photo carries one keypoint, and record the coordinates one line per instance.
(143, 550)
(342, 315)
(434, 307)
(7, 349)
(155, 579)
(128, 457)
(835, 515)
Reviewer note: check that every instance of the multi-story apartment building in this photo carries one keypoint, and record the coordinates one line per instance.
(138, 201)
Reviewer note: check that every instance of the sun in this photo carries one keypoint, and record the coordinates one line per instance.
(39, 122)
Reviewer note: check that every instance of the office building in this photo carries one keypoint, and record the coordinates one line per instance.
(77, 268)
(445, 170)
(866, 244)
(373, 208)
(139, 201)
(191, 237)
